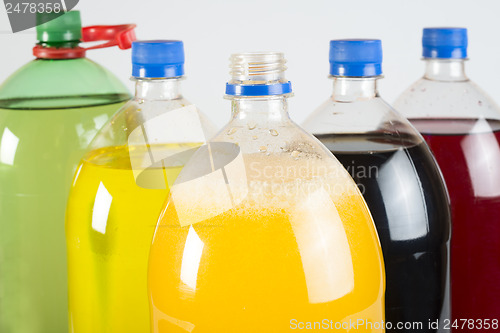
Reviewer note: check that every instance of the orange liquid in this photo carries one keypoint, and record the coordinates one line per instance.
(305, 255)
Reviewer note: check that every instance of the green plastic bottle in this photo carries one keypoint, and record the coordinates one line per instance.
(50, 109)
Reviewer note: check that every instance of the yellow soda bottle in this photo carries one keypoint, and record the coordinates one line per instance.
(264, 230)
(119, 189)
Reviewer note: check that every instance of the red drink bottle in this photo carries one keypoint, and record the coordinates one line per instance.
(461, 124)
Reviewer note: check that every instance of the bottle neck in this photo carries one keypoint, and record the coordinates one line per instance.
(350, 89)
(58, 45)
(445, 69)
(158, 89)
(59, 50)
(260, 110)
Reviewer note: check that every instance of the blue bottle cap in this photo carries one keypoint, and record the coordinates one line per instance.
(444, 43)
(157, 58)
(356, 57)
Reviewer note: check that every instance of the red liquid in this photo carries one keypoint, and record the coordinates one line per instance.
(468, 153)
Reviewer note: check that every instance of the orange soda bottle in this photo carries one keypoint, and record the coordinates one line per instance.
(264, 230)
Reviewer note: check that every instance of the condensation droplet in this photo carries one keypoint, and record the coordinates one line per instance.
(273, 132)
(231, 131)
(255, 137)
(252, 126)
(263, 149)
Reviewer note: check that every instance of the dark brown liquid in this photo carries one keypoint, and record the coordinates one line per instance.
(407, 198)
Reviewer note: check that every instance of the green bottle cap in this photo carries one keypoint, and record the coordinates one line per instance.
(63, 28)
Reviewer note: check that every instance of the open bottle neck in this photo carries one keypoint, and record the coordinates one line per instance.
(351, 89)
(158, 89)
(258, 89)
(445, 69)
(261, 109)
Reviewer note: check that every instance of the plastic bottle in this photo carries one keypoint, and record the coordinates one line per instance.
(119, 190)
(398, 177)
(461, 125)
(50, 109)
(264, 230)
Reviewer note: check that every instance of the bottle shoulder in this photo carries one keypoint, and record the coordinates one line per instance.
(268, 137)
(49, 83)
(361, 118)
(446, 99)
(143, 122)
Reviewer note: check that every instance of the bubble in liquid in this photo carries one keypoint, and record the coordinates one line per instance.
(273, 132)
(231, 131)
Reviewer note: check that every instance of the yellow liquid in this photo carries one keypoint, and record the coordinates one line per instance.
(109, 227)
(275, 260)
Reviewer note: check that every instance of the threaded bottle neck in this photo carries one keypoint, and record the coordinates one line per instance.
(257, 68)
(257, 74)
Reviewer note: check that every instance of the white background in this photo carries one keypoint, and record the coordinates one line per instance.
(213, 29)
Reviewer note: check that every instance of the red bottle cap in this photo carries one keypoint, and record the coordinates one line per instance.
(114, 35)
